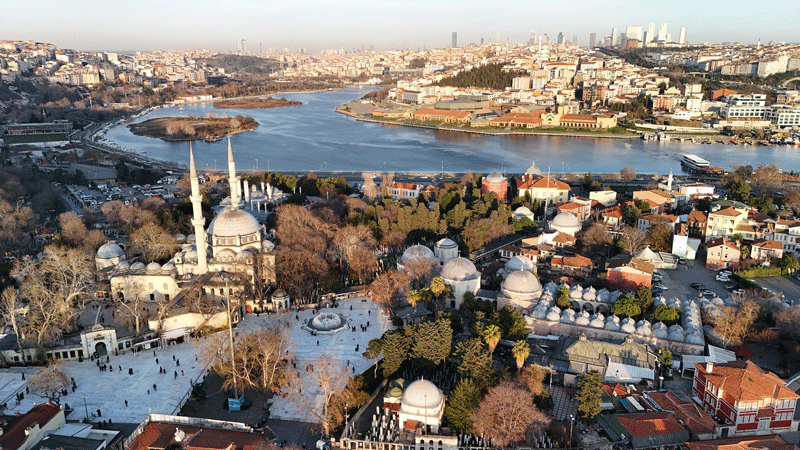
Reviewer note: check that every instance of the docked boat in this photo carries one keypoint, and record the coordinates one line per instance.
(695, 163)
(213, 138)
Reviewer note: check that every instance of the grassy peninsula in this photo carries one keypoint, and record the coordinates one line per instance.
(173, 129)
(256, 103)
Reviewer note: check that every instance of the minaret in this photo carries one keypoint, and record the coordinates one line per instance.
(197, 220)
(233, 182)
(669, 181)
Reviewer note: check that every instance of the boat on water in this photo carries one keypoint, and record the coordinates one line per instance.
(213, 138)
(695, 163)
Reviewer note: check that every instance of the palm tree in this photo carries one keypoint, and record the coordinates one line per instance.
(521, 350)
(492, 336)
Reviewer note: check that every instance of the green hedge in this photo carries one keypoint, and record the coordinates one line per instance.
(744, 283)
(758, 272)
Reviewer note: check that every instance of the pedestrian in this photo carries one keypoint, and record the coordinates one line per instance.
(178, 361)
(130, 371)
(23, 376)
(318, 342)
(120, 368)
(173, 357)
(154, 353)
(176, 375)
(156, 360)
(126, 403)
(148, 392)
(154, 387)
(181, 373)
(99, 414)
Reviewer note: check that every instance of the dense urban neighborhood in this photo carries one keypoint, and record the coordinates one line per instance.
(190, 307)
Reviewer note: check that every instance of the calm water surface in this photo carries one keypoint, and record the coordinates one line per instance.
(314, 137)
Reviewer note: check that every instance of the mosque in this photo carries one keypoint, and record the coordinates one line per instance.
(229, 258)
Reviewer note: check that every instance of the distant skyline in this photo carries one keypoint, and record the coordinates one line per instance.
(332, 24)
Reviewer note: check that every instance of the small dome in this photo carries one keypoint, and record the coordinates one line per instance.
(533, 170)
(153, 267)
(181, 238)
(124, 265)
(494, 177)
(422, 394)
(416, 251)
(234, 222)
(280, 294)
(519, 263)
(446, 243)
(137, 266)
(522, 211)
(565, 219)
(191, 238)
(459, 269)
(109, 251)
(521, 282)
(170, 266)
(226, 254)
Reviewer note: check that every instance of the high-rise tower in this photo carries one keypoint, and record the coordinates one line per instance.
(682, 38)
(454, 44)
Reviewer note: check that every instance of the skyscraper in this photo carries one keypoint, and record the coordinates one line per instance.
(651, 32)
(634, 33)
(662, 32)
(614, 35)
(455, 40)
(682, 38)
(560, 38)
(592, 40)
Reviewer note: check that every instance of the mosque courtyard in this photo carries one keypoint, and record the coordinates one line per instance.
(108, 390)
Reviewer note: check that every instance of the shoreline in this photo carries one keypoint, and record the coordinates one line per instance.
(490, 132)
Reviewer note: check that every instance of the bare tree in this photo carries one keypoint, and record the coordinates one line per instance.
(420, 270)
(48, 382)
(261, 359)
(735, 323)
(73, 230)
(130, 306)
(370, 189)
(507, 413)
(354, 246)
(387, 180)
(152, 243)
(331, 379)
(386, 286)
(627, 174)
(633, 240)
(766, 179)
(10, 307)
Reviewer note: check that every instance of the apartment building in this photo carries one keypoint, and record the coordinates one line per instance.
(744, 106)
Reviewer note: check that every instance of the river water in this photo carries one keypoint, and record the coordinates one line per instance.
(312, 137)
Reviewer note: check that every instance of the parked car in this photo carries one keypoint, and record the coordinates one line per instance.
(730, 287)
(696, 285)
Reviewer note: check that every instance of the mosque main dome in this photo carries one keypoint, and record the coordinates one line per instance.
(234, 222)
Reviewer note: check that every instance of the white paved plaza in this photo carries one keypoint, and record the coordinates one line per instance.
(107, 391)
(339, 347)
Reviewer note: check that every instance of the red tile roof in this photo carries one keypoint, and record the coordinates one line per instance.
(722, 241)
(745, 381)
(686, 411)
(158, 435)
(770, 245)
(14, 434)
(769, 442)
(649, 424)
(729, 211)
(541, 183)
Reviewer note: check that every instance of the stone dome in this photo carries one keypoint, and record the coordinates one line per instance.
(110, 251)
(565, 219)
(533, 170)
(416, 251)
(521, 282)
(137, 265)
(445, 243)
(459, 269)
(280, 294)
(234, 222)
(422, 394)
(522, 211)
(153, 267)
(495, 177)
(519, 263)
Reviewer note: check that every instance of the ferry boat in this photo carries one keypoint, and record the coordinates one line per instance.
(695, 163)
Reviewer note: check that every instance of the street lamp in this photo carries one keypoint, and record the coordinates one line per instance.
(85, 408)
(570, 429)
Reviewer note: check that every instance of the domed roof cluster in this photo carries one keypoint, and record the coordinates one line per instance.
(459, 269)
(415, 252)
(110, 250)
(422, 394)
(234, 222)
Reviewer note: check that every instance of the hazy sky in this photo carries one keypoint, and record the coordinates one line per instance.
(118, 25)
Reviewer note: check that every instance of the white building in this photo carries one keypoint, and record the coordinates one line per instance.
(423, 402)
(783, 116)
(744, 106)
(462, 276)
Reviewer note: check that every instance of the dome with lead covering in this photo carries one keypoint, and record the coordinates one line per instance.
(459, 269)
(153, 267)
(519, 263)
(415, 252)
(109, 251)
(495, 177)
(422, 394)
(565, 219)
(445, 243)
(521, 283)
(234, 222)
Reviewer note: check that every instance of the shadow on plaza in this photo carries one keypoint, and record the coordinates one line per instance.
(256, 414)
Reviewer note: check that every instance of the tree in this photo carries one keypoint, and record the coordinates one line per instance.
(507, 413)
(739, 191)
(525, 225)
(55, 288)
(733, 324)
(633, 240)
(625, 306)
(630, 214)
(464, 398)
(432, 342)
(644, 206)
(594, 238)
(48, 382)
(131, 305)
(10, 309)
(419, 270)
(644, 298)
(512, 325)
(491, 335)
(766, 179)
(666, 314)
(665, 357)
(261, 360)
(152, 243)
(373, 352)
(329, 378)
(480, 232)
(659, 238)
(788, 263)
(532, 377)
(354, 246)
(562, 300)
(395, 345)
(787, 321)
(520, 350)
(73, 230)
(386, 286)
(475, 361)
(589, 396)
(627, 174)
(301, 258)
(792, 199)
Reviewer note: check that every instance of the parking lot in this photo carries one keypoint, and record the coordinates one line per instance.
(788, 286)
(678, 281)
